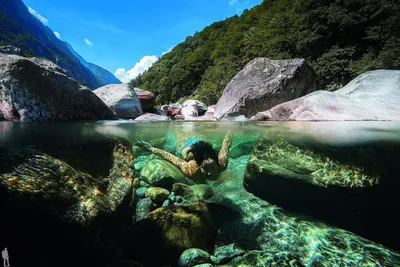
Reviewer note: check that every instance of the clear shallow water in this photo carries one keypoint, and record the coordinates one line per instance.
(269, 234)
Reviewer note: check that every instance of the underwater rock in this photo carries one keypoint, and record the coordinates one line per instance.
(352, 188)
(72, 195)
(241, 149)
(264, 258)
(202, 190)
(226, 253)
(141, 192)
(194, 256)
(157, 194)
(186, 191)
(166, 203)
(264, 83)
(136, 182)
(168, 231)
(163, 174)
(53, 207)
(269, 233)
(143, 208)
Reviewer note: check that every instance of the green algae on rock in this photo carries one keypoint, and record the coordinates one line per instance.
(169, 231)
(163, 174)
(157, 194)
(342, 188)
(194, 256)
(71, 194)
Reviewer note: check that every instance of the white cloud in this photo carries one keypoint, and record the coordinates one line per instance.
(57, 34)
(232, 2)
(38, 16)
(166, 52)
(144, 64)
(89, 43)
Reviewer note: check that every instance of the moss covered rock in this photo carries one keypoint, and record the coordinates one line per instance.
(168, 231)
(350, 187)
(163, 174)
(186, 191)
(194, 256)
(157, 194)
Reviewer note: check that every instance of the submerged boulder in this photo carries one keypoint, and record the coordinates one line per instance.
(163, 174)
(52, 206)
(168, 231)
(350, 187)
(263, 84)
(374, 95)
(272, 236)
(39, 90)
(121, 99)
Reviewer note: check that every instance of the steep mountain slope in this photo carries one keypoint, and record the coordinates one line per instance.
(104, 76)
(339, 38)
(19, 28)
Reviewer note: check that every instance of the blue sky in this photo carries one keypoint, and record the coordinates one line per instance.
(120, 33)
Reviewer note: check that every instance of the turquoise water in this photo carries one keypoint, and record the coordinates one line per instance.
(293, 194)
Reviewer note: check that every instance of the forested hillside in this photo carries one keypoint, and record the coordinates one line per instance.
(340, 38)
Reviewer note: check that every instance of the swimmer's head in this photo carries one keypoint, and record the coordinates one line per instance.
(209, 169)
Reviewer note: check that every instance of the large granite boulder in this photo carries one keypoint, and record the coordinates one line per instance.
(146, 98)
(121, 99)
(263, 84)
(38, 90)
(374, 95)
(352, 187)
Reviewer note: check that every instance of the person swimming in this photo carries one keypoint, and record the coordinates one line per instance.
(200, 161)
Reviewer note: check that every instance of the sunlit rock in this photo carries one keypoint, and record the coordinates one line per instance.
(194, 256)
(162, 173)
(38, 90)
(121, 99)
(349, 187)
(374, 95)
(151, 117)
(264, 83)
(168, 231)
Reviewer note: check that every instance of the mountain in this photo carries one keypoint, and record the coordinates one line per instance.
(339, 38)
(103, 75)
(21, 29)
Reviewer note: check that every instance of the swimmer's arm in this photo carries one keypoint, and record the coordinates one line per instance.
(189, 169)
(223, 153)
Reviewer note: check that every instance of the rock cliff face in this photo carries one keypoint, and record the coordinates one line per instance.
(38, 90)
(374, 95)
(264, 83)
(123, 101)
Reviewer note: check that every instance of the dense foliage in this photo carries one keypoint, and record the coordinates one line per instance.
(339, 38)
